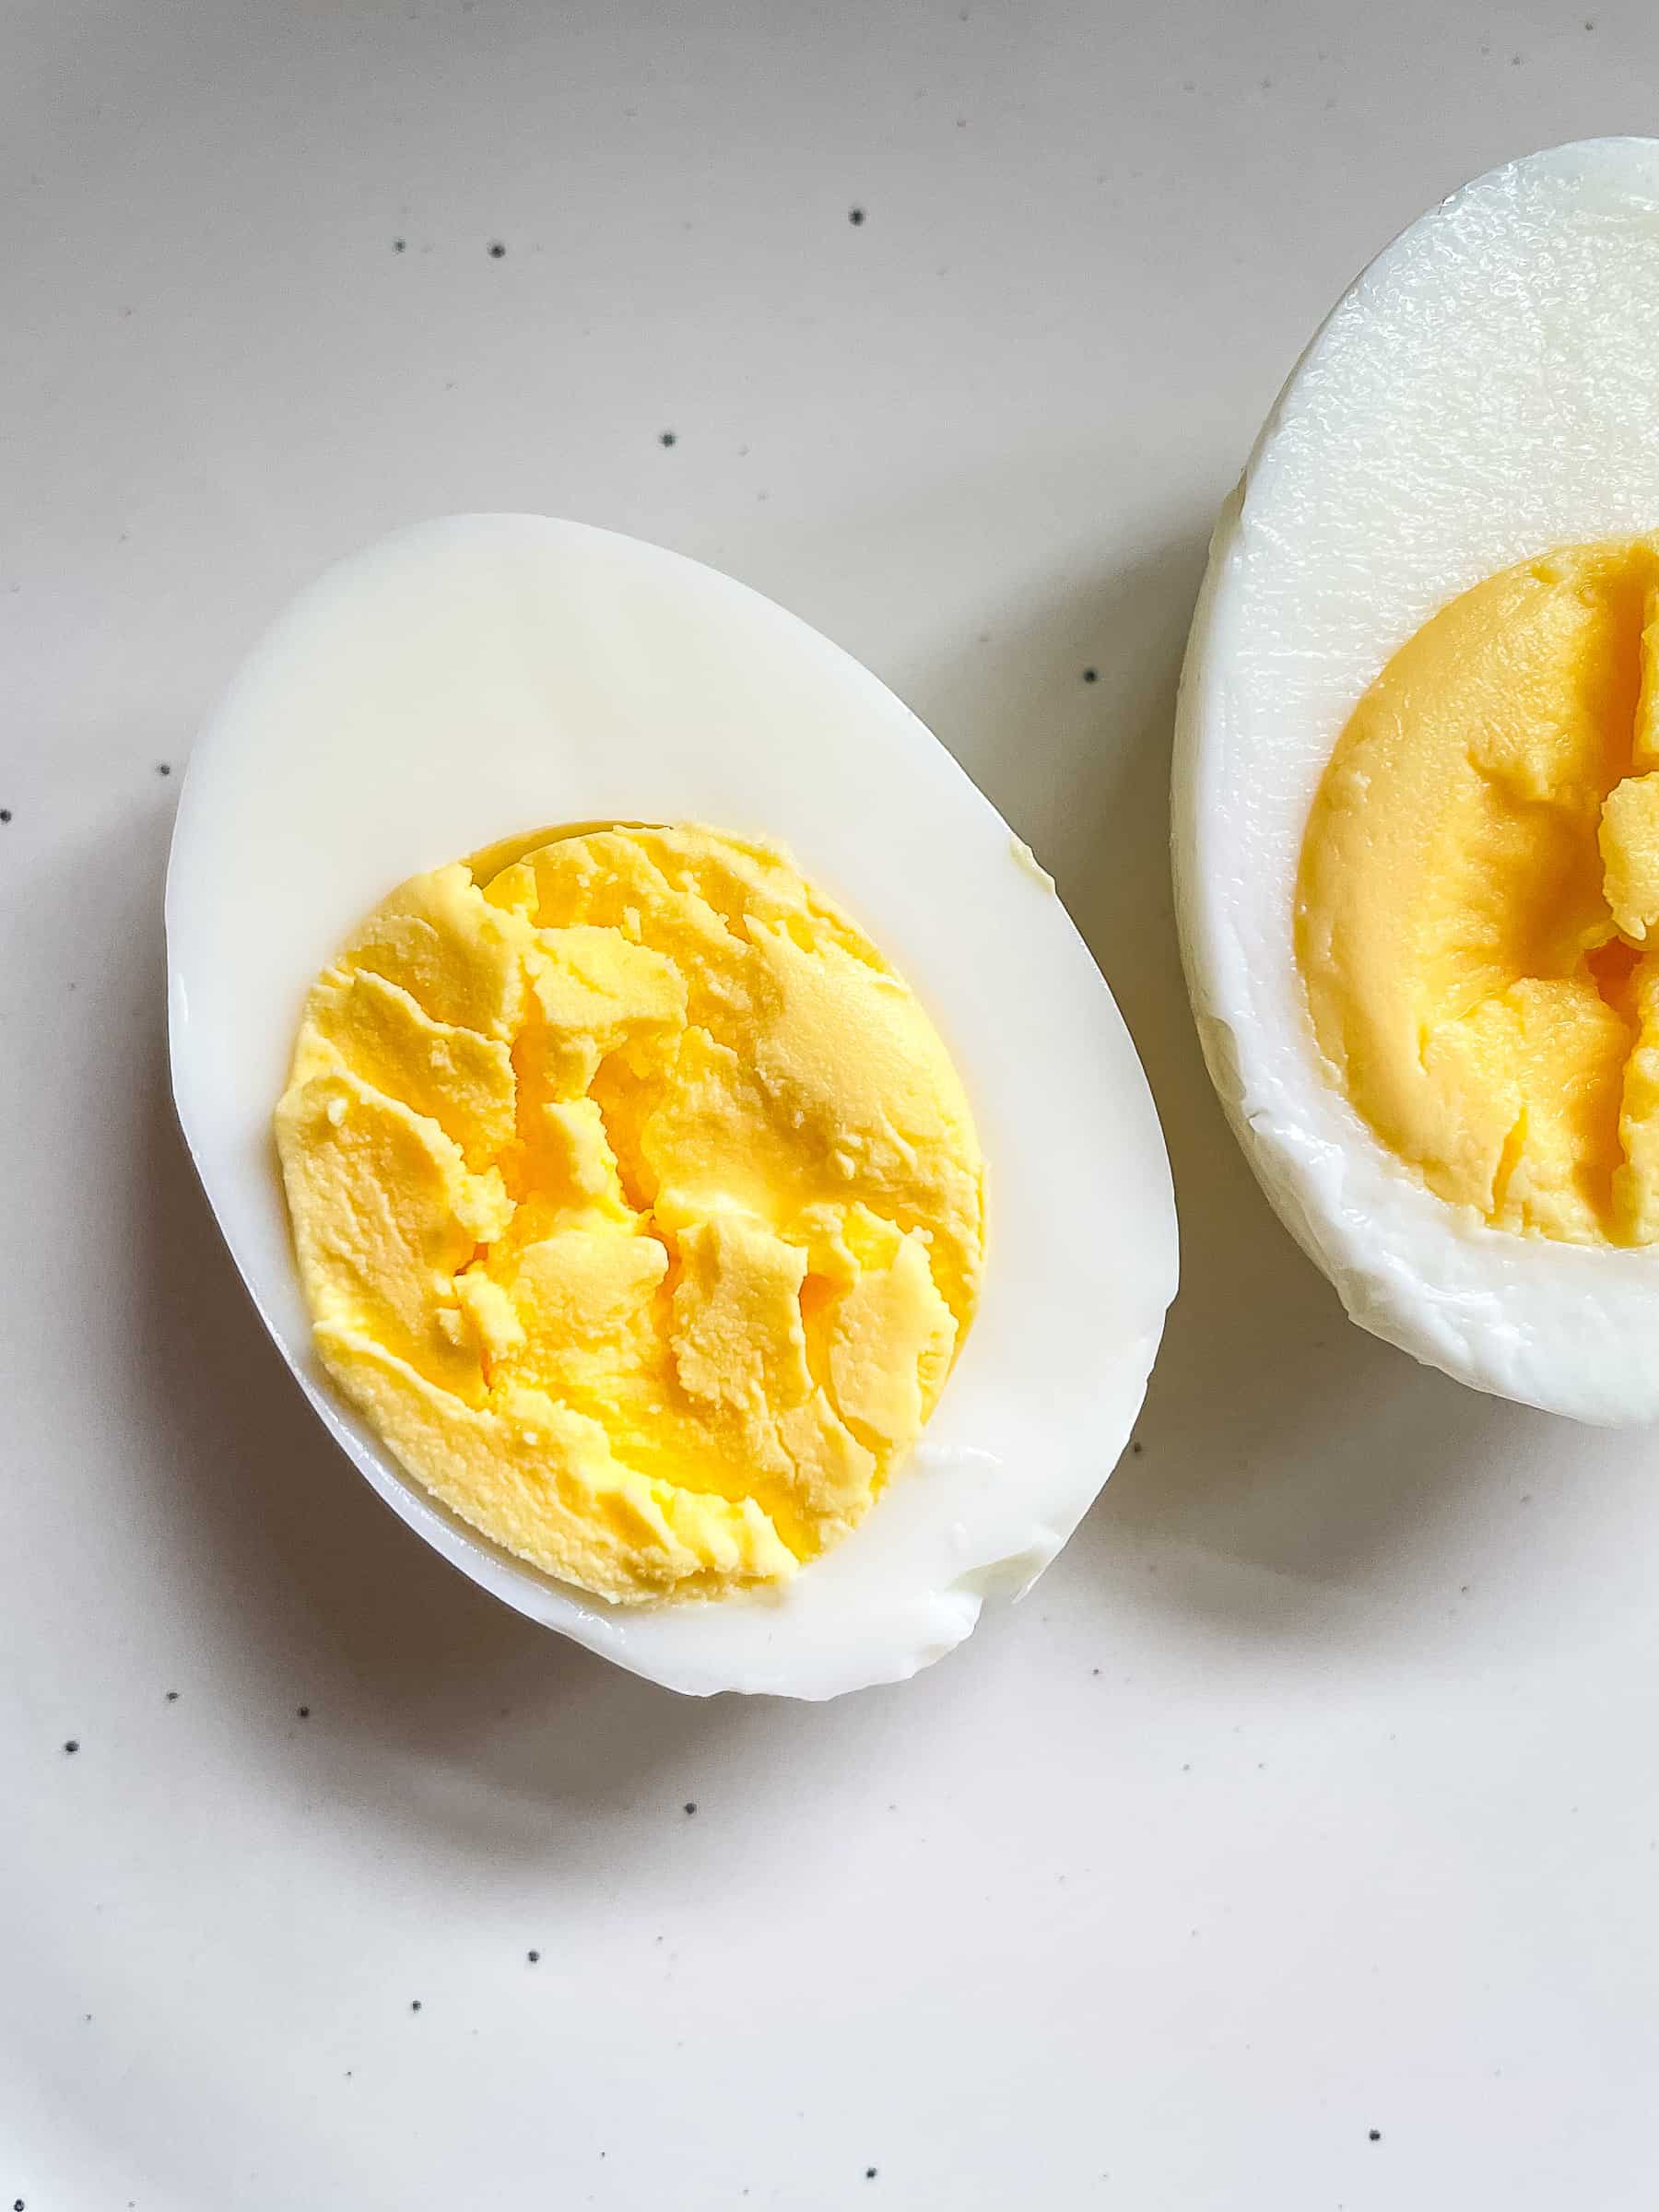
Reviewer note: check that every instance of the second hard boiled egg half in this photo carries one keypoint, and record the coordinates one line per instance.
(782, 1230)
(1417, 812)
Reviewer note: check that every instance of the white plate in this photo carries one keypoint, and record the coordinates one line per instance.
(1354, 1827)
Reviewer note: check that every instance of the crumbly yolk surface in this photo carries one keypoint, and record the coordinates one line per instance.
(1477, 905)
(636, 1202)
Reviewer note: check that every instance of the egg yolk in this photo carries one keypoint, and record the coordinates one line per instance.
(638, 1204)
(1477, 905)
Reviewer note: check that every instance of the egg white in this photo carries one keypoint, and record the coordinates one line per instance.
(1489, 389)
(484, 675)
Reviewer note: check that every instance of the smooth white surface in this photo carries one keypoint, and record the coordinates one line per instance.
(1356, 1822)
(476, 677)
(1486, 392)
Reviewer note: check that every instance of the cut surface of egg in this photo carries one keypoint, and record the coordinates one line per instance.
(1417, 826)
(539, 695)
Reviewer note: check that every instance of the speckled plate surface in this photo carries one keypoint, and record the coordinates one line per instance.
(1292, 1846)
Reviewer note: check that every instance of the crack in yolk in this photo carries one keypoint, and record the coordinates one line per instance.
(1478, 892)
(638, 1205)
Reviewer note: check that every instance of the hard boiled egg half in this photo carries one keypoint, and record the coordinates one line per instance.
(1416, 805)
(568, 897)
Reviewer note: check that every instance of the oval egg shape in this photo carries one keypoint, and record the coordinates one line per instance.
(470, 682)
(1480, 400)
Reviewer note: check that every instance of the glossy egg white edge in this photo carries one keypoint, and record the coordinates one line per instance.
(480, 677)
(1486, 390)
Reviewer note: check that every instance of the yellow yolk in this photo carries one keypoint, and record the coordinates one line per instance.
(1478, 891)
(636, 1202)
